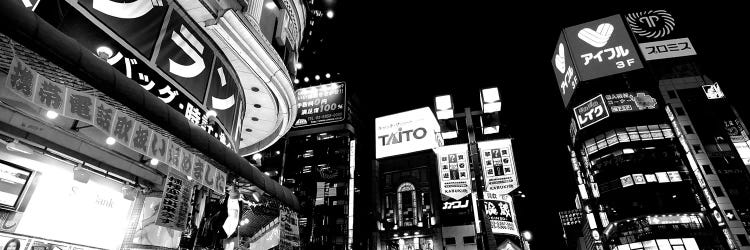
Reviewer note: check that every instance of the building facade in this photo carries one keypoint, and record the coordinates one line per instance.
(134, 117)
(635, 162)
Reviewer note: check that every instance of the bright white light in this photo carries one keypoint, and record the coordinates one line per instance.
(267, 173)
(449, 135)
(270, 5)
(211, 113)
(317, 77)
(104, 52)
(307, 79)
(256, 197)
(52, 114)
(190, 178)
(298, 65)
(491, 107)
(257, 156)
(18, 147)
(491, 130)
(328, 75)
(329, 14)
(296, 81)
(628, 151)
(443, 102)
(110, 141)
(526, 235)
(490, 95)
(154, 162)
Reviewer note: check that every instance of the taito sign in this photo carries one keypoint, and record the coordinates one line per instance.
(406, 132)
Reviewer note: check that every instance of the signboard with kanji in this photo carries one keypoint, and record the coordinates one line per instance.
(590, 112)
(321, 104)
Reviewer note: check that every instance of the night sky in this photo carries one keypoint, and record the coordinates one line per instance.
(398, 55)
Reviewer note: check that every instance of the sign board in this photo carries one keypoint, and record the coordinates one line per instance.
(630, 101)
(652, 25)
(508, 245)
(567, 77)
(175, 203)
(454, 170)
(498, 166)
(713, 91)
(500, 213)
(671, 219)
(321, 104)
(288, 229)
(406, 132)
(667, 49)
(602, 48)
(591, 111)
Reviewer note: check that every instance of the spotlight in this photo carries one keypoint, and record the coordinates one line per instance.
(211, 113)
(154, 162)
(110, 140)
(296, 81)
(298, 65)
(104, 52)
(52, 114)
(307, 79)
(328, 75)
(17, 146)
(317, 77)
(329, 14)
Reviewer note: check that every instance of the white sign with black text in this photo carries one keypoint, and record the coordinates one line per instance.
(406, 132)
(667, 49)
(498, 166)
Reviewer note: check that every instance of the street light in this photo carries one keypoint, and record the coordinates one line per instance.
(526, 237)
(490, 100)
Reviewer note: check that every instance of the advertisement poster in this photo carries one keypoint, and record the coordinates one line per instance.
(500, 213)
(148, 233)
(630, 101)
(406, 132)
(453, 167)
(9, 241)
(498, 166)
(602, 48)
(667, 49)
(175, 205)
(321, 104)
(591, 111)
(288, 229)
(567, 77)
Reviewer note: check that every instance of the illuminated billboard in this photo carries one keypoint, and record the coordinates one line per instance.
(406, 132)
(567, 77)
(630, 101)
(500, 213)
(498, 166)
(590, 112)
(321, 104)
(454, 171)
(602, 48)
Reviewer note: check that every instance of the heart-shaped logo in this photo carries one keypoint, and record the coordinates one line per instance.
(560, 59)
(597, 38)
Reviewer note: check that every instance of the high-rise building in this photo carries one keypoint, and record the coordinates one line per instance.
(641, 169)
(123, 123)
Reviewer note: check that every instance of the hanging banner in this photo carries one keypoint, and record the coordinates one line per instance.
(288, 229)
(208, 178)
(175, 203)
(498, 166)
(453, 167)
(27, 84)
(220, 182)
(199, 169)
(500, 213)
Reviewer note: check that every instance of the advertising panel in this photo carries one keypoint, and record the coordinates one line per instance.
(406, 132)
(175, 203)
(652, 25)
(630, 101)
(289, 229)
(601, 48)
(498, 166)
(591, 111)
(137, 22)
(567, 77)
(667, 49)
(321, 104)
(500, 213)
(453, 167)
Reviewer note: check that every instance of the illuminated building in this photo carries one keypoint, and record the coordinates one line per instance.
(101, 99)
(640, 171)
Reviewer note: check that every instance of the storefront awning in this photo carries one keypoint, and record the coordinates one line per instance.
(24, 26)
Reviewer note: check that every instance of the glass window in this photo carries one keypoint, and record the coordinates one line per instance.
(689, 129)
(643, 132)
(450, 241)
(698, 149)
(633, 133)
(655, 132)
(679, 110)
(590, 146)
(622, 135)
(666, 130)
(469, 240)
(407, 204)
(611, 138)
(600, 142)
(743, 239)
(718, 191)
(671, 94)
(707, 169)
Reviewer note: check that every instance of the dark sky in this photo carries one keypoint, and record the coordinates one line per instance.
(398, 55)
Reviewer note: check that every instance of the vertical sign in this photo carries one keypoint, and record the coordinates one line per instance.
(500, 213)
(591, 111)
(498, 166)
(289, 229)
(601, 48)
(173, 212)
(137, 22)
(567, 77)
(453, 167)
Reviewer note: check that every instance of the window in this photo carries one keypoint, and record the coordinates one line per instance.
(697, 148)
(743, 240)
(671, 94)
(707, 169)
(689, 129)
(680, 111)
(469, 240)
(407, 205)
(718, 191)
(450, 241)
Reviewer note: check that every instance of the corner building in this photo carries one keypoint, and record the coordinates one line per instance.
(636, 164)
(120, 121)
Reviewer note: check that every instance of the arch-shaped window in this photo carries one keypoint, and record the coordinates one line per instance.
(407, 205)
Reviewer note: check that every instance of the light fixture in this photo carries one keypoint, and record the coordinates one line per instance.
(211, 113)
(526, 235)
(628, 151)
(317, 77)
(190, 178)
(52, 114)
(257, 156)
(129, 192)
(80, 174)
(296, 81)
(490, 100)
(329, 13)
(416, 233)
(270, 5)
(444, 107)
(104, 52)
(449, 135)
(256, 197)
(298, 65)
(110, 141)
(267, 173)
(17, 146)
(328, 75)
(154, 162)
(307, 79)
